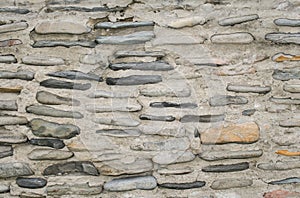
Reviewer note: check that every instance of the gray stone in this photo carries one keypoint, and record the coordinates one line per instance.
(11, 137)
(8, 59)
(117, 121)
(119, 132)
(82, 9)
(14, 169)
(52, 112)
(125, 54)
(15, 10)
(73, 167)
(290, 180)
(43, 128)
(111, 94)
(226, 168)
(53, 43)
(121, 106)
(54, 143)
(292, 88)
(293, 122)
(238, 19)
(287, 22)
(183, 186)
(131, 183)
(286, 74)
(129, 39)
(232, 38)
(170, 89)
(221, 155)
(134, 80)
(157, 118)
(170, 144)
(49, 154)
(13, 27)
(117, 25)
(45, 97)
(187, 22)
(23, 75)
(247, 89)
(283, 38)
(153, 66)
(284, 165)
(202, 118)
(59, 84)
(228, 183)
(5, 151)
(8, 105)
(12, 120)
(75, 75)
(42, 60)
(171, 131)
(248, 112)
(31, 182)
(61, 27)
(182, 171)
(4, 188)
(222, 100)
(288, 101)
(173, 157)
(173, 105)
(10, 42)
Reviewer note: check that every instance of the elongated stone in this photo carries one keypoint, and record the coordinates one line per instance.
(129, 39)
(50, 111)
(61, 27)
(157, 118)
(83, 9)
(237, 20)
(13, 27)
(54, 143)
(111, 94)
(75, 75)
(173, 157)
(119, 132)
(222, 100)
(182, 171)
(53, 43)
(31, 182)
(10, 89)
(226, 168)
(5, 151)
(73, 167)
(10, 42)
(247, 89)
(131, 183)
(283, 38)
(183, 186)
(281, 194)
(12, 120)
(117, 121)
(8, 105)
(285, 165)
(43, 128)
(168, 90)
(45, 97)
(14, 169)
(11, 137)
(233, 38)
(125, 54)
(134, 80)
(170, 144)
(59, 84)
(228, 183)
(49, 154)
(221, 155)
(293, 122)
(15, 10)
(286, 74)
(121, 107)
(248, 112)
(287, 22)
(202, 118)
(281, 57)
(173, 105)
(288, 153)
(187, 22)
(292, 88)
(153, 66)
(117, 25)
(8, 59)
(290, 180)
(234, 133)
(288, 101)
(22, 75)
(42, 60)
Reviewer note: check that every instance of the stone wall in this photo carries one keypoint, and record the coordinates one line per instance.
(149, 98)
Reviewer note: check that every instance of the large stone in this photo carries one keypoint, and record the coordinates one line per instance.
(292, 88)
(119, 132)
(22, 75)
(117, 121)
(222, 100)
(11, 137)
(31, 182)
(233, 133)
(284, 165)
(15, 10)
(153, 66)
(10, 42)
(131, 183)
(287, 22)
(125, 54)
(8, 59)
(285, 75)
(5, 151)
(8, 105)
(281, 57)
(232, 38)
(202, 118)
(49, 154)
(75, 75)
(173, 105)
(14, 169)
(117, 25)
(183, 186)
(237, 20)
(291, 180)
(247, 89)
(59, 84)
(61, 27)
(283, 38)
(12, 120)
(187, 22)
(229, 183)
(13, 27)
(49, 98)
(167, 118)
(129, 39)
(134, 80)
(221, 155)
(52, 112)
(42, 60)
(43, 128)
(173, 157)
(54, 143)
(226, 167)
(64, 43)
(170, 144)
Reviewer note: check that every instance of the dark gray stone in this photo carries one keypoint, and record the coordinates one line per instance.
(119, 132)
(226, 168)
(283, 38)
(23, 75)
(53, 143)
(290, 180)
(222, 100)
(82, 9)
(117, 25)
(183, 186)
(237, 20)
(42, 60)
(14, 169)
(130, 39)
(153, 66)
(287, 22)
(202, 118)
(221, 155)
(52, 43)
(59, 84)
(131, 183)
(75, 75)
(173, 105)
(31, 182)
(45, 97)
(157, 118)
(124, 54)
(15, 10)
(134, 80)
(8, 105)
(73, 167)
(248, 112)
(286, 74)
(8, 59)
(50, 111)
(6, 151)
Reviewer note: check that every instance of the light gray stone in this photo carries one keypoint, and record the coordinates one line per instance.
(182, 171)
(10, 42)
(117, 121)
(222, 100)
(165, 145)
(64, 43)
(82, 9)
(5, 151)
(288, 101)
(221, 155)
(13, 27)
(8, 59)
(61, 27)
(238, 19)
(125, 54)
(12, 120)
(292, 88)
(290, 180)
(117, 25)
(187, 22)
(121, 106)
(4, 188)
(283, 38)
(119, 132)
(287, 22)
(49, 98)
(93, 59)
(12, 137)
(112, 94)
(14, 169)
(52, 112)
(280, 165)
(293, 122)
(228, 183)
(232, 38)
(247, 89)
(131, 183)
(173, 157)
(285, 75)
(49, 154)
(42, 60)
(169, 89)
(134, 38)
(152, 66)
(75, 75)
(8, 105)
(202, 118)
(22, 75)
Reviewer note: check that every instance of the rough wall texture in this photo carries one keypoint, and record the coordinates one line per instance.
(177, 98)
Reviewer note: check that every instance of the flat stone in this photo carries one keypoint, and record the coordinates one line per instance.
(10, 89)
(287, 153)
(46, 97)
(183, 186)
(169, 131)
(293, 122)
(220, 168)
(233, 133)
(287, 22)
(8, 59)
(112, 94)
(182, 171)
(75, 75)
(59, 84)
(284, 165)
(53, 43)
(202, 118)
(168, 118)
(117, 25)
(31, 182)
(42, 60)
(233, 38)
(117, 121)
(173, 157)
(14, 169)
(228, 183)
(281, 194)
(152, 66)
(283, 38)
(237, 20)
(248, 112)
(10, 42)
(13, 27)
(4, 188)
(54, 143)
(281, 57)
(222, 100)
(94, 59)
(15, 10)
(82, 9)
(247, 89)
(8, 105)
(170, 144)
(286, 74)
(125, 54)
(171, 89)
(49, 154)
(134, 80)
(22, 75)
(292, 88)
(187, 22)
(131, 183)
(43, 128)
(129, 39)
(121, 106)
(61, 27)
(11, 137)
(288, 101)
(173, 105)
(73, 167)
(5, 151)
(12, 120)
(119, 132)
(290, 180)
(52, 112)
(221, 155)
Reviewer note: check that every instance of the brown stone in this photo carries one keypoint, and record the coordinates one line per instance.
(10, 89)
(287, 153)
(281, 194)
(280, 57)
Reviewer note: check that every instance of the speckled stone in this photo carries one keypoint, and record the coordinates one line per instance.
(49, 154)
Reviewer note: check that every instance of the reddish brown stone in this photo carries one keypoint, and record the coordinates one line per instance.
(10, 42)
(281, 194)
